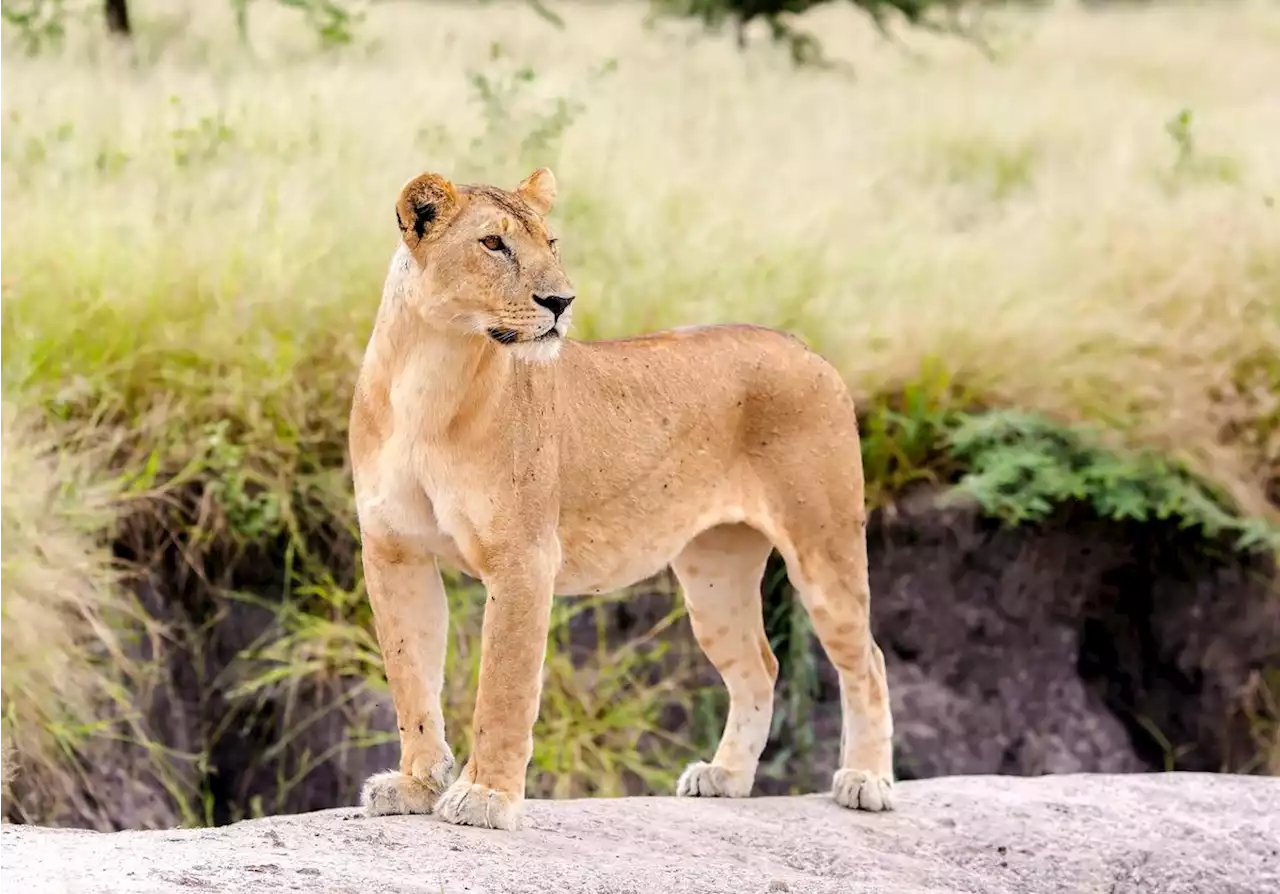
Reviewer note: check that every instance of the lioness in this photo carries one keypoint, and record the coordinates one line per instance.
(483, 438)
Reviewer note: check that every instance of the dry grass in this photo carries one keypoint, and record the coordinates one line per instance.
(7, 772)
(197, 233)
(202, 236)
(64, 661)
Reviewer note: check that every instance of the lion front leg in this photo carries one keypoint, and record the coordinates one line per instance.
(490, 789)
(411, 614)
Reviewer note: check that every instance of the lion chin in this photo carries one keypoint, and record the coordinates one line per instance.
(542, 348)
(703, 448)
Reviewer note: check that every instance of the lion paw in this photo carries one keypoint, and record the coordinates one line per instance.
(392, 793)
(468, 804)
(862, 790)
(703, 780)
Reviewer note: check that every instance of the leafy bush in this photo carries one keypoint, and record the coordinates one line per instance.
(40, 24)
(1021, 467)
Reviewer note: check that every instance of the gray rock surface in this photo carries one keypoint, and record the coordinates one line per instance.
(1163, 833)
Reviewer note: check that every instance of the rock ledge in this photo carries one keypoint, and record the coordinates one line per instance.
(1163, 833)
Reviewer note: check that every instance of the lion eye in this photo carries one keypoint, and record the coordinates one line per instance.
(493, 243)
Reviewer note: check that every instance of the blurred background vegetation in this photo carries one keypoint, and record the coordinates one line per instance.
(1040, 241)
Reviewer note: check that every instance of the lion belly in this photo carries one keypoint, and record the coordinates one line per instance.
(605, 552)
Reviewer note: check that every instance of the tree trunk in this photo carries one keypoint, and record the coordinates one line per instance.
(117, 12)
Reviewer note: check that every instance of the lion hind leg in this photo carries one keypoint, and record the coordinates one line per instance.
(720, 572)
(827, 563)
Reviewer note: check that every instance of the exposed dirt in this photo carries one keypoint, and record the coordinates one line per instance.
(1081, 645)
(1165, 833)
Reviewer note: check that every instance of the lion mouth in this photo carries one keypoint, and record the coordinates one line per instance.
(505, 336)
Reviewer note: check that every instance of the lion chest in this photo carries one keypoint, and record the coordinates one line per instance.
(395, 500)
(410, 516)
(489, 513)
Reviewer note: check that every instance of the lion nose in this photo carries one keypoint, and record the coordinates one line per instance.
(554, 303)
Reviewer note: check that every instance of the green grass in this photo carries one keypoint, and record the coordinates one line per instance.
(1077, 237)
(600, 729)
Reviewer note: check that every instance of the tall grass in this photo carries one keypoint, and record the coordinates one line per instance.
(1085, 228)
(69, 635)
(600, 730)
(200, 235)
(7, 774)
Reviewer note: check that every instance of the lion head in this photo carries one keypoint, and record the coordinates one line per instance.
(484, 261)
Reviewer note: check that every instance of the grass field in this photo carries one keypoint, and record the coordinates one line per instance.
(1086, 227)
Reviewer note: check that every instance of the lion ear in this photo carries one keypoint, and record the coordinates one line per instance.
(538, 190)
(426, 205)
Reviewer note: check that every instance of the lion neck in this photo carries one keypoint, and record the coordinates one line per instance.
(453, 385)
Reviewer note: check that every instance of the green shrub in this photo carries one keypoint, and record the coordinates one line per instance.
(1021, 467)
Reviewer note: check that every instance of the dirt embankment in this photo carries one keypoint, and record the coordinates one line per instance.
(1165, 833)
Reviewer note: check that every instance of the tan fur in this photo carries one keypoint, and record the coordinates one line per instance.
(482, 439)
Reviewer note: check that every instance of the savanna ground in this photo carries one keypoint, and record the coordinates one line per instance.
(1049, 274)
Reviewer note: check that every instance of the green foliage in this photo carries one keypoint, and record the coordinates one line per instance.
(41, 24)
(516, 126)
(904, 435)
(1021, 467)
(252, 507)
(1190, 163)
(201, 140)
(332, 21)
(35, 150)
(944, 16)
